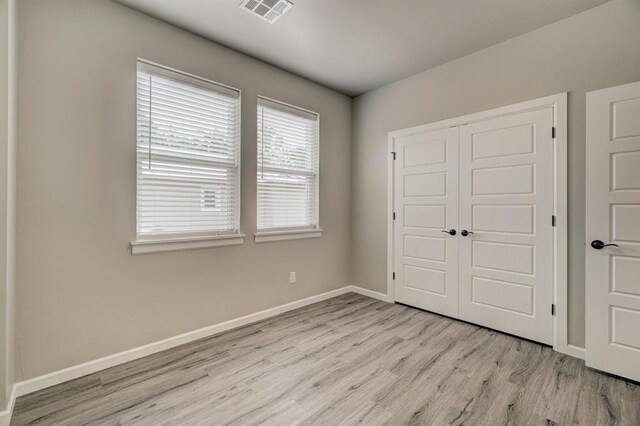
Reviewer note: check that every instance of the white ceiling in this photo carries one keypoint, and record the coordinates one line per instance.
(354, 46)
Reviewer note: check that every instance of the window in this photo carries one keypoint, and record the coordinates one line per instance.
(287, 172)
(188, 161)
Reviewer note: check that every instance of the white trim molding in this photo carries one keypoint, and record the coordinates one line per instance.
(575, 351)
(559, 104)
(57, 377)
(61, 376)
(5, 415)
(292, 234)
(191, 243)
(371, 293)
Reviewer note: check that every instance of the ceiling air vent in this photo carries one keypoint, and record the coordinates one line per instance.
(269, 10)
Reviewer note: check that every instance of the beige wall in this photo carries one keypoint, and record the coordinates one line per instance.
(81, 295)
(7, 193)
(592, 50)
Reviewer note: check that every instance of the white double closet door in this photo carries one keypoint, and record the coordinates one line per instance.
(473, 235)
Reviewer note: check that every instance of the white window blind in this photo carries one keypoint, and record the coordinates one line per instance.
(287, 167)
(188, 146)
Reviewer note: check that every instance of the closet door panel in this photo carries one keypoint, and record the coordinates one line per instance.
(425, 204)
(506, 204)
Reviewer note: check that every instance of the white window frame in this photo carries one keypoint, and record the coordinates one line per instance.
(144, 244)
(292, 233)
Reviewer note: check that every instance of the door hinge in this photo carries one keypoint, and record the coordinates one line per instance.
(553, 132)
(394, 154)
(553, 309)
(553, 220)
(394, 215)
(394, 275)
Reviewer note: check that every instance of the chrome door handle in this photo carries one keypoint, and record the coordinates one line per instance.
(464, 232)
(599, 245)
(450, 231)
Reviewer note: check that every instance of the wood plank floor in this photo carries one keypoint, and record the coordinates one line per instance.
(348, 360)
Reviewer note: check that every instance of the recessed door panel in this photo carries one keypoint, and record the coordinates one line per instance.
(624, 121)
(425, 184)
(426, 203)
(426, 280)
(425, 216)
(625, 224)
(625, 275)
(506, 201)
(613, 231)
(512, 180)
(504, 295)
(625, 171)
(419, 153)
(503, 257)
(426, 248)
(503, 142)
(625, 324)
(504, 219)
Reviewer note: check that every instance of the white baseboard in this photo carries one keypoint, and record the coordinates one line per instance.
(5, 415)
(51, 379)
(572, 350)
(576, 351)
(370, 293)
(61, 376)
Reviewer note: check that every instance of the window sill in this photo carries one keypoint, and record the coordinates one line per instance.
(191, 243)
(298, 234)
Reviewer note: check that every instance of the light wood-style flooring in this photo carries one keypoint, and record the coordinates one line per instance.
(349, 360)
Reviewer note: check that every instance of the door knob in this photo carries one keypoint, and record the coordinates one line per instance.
(450, 231)
(464, 232)
(599, 245)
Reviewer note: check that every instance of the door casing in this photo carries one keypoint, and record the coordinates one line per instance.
(558, 103)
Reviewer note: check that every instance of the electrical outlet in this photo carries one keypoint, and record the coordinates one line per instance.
(292, 277)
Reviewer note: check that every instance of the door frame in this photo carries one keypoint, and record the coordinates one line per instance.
(558, 103)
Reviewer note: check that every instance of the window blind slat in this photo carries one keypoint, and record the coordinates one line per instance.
(176, 100)
(287, 177)
(187, 156)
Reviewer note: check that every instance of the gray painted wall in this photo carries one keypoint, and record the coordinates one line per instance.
(81, 295)
(595, 49)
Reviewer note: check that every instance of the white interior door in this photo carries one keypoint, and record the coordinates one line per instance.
(425, 205)
(613, 217)
(506, 201)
